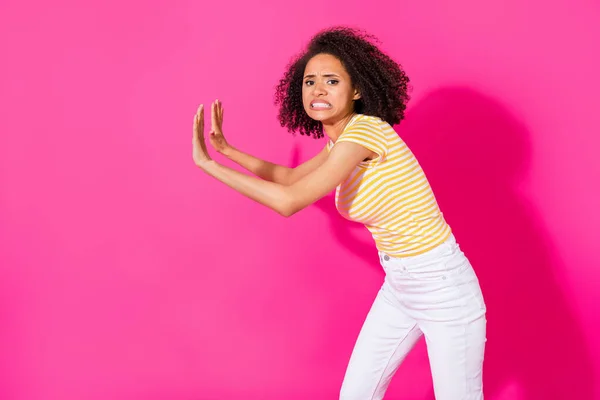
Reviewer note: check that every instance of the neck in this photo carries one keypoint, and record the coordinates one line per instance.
(335, 129)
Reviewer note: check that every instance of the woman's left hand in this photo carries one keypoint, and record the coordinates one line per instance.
(199, 150)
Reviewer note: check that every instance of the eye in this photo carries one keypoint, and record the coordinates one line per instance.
(335, 81)
(309, 83)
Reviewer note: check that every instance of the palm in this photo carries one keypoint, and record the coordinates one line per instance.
(216, 138)
(199, 150)
(218, 142)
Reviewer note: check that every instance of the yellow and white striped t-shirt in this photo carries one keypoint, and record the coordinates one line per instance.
(389, 194)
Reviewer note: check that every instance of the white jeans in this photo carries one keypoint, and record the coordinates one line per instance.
(435, 294)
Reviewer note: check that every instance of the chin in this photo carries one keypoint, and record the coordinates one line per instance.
(318, 115)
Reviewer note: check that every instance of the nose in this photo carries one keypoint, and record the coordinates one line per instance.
(319, 89)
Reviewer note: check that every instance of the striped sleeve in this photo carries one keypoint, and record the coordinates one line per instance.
(369, 134)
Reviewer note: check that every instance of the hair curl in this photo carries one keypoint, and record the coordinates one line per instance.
(381, 81)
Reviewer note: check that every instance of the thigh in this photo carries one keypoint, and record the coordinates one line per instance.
(456, 341)
(456, 353)
(386, 337)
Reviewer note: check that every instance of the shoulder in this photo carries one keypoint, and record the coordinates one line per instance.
(367, 126)
(362, 121)
(367, 131)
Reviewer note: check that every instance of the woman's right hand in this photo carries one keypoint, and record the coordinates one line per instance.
(215, 137)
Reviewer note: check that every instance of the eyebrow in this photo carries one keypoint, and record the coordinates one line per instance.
(325, 75)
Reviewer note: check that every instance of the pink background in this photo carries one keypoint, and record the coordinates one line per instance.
(125, 273)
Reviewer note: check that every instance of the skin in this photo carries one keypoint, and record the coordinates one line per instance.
(325, 79)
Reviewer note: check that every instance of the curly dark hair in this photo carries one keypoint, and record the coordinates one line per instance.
(381, 81)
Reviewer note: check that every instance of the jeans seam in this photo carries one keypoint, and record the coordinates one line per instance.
(390, 359)
(466, 357)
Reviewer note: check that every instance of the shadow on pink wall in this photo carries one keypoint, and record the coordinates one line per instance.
(475, 153)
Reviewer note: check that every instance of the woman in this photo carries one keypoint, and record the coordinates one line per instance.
(343, 86)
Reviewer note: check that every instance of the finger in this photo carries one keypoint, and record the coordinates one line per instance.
(198, 121)
(217, 118)
(218, 121)
(220, 115)
(195, 127)
(213, 114)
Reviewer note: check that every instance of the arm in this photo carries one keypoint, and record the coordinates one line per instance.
(288, 200)
(261, 168)
(274, 172)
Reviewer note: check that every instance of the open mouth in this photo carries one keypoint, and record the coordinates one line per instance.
(320, 105)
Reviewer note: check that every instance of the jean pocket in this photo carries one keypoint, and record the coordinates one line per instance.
(432, 271)
(432, 266)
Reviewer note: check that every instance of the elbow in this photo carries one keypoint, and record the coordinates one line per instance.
(290, 203)
(287, 212)
(288, 209)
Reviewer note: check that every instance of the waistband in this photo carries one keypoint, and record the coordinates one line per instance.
(429, 255)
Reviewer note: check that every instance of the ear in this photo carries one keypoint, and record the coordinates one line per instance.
(356, 95)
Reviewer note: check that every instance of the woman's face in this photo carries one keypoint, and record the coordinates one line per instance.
(327, 92)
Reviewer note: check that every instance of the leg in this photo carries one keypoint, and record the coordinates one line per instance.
(456, 359)
(456, 344)
(385, 339)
